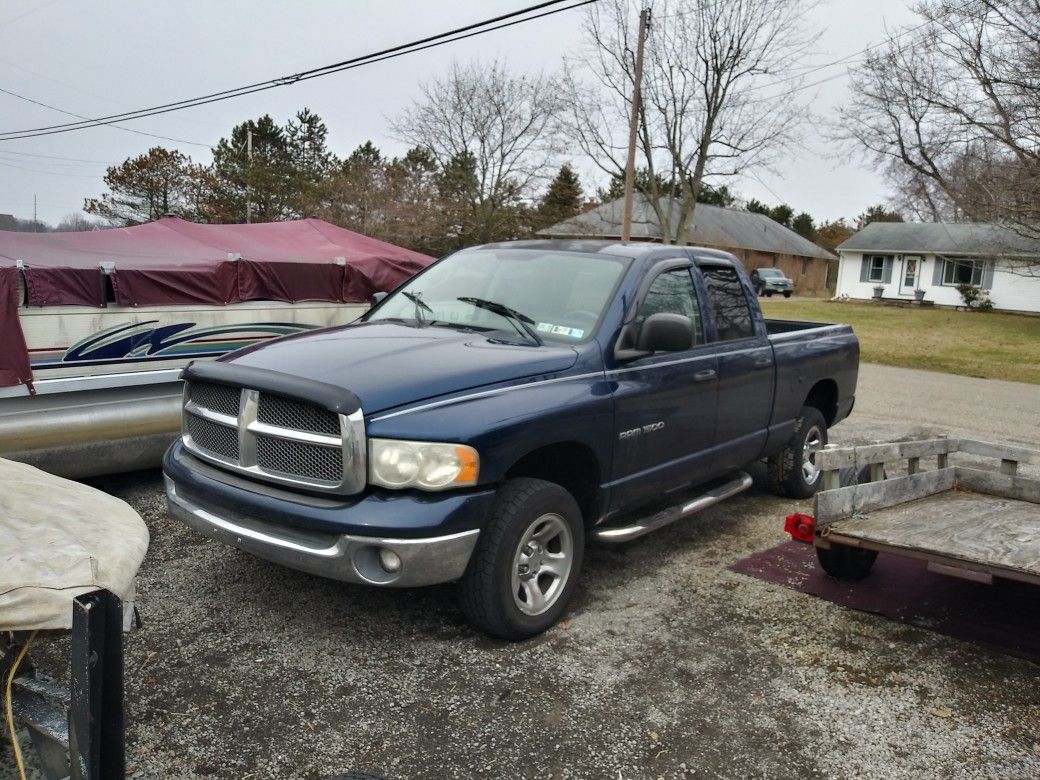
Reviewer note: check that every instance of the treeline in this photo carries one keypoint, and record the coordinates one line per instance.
(265, 172)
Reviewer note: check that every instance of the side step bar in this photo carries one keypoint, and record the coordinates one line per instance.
(618, 534)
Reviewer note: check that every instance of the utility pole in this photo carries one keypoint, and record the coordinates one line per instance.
(630, 165)
(36, 225)
(249, 176)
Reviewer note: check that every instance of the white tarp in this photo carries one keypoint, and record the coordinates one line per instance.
(58, 540)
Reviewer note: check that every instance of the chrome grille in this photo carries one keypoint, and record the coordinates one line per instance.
(298, 415)
(219, 398)
(274, 437)
(295, 457)
(213, 437)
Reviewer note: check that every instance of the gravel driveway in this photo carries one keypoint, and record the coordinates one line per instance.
(668, 666)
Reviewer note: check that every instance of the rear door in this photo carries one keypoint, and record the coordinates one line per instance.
(745, 366)
(664, 402)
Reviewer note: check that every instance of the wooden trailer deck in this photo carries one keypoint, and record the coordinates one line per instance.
(964, 519)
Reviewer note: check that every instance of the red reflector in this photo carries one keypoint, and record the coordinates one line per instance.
(801, 527)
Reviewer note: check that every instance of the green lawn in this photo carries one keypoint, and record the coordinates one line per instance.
(989, 345)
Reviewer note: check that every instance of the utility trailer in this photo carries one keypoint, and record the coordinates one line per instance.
(965, 520)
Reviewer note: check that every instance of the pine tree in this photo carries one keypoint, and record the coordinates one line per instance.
(266, 180)
(562, 200)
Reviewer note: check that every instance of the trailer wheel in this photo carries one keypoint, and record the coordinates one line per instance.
(526, 564)
(846, 563)
(792, 471)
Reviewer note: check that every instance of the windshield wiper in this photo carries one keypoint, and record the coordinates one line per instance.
(521, 322)
(420, 306)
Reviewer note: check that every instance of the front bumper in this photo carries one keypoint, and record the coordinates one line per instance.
(432, 534)
(345, 557)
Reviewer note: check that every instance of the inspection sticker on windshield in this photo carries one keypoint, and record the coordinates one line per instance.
(560, 330)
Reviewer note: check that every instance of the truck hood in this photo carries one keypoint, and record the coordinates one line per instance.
(389, 364)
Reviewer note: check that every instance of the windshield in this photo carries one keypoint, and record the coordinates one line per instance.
(527, 294)
(771, 273)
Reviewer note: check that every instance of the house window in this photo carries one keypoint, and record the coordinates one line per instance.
(962, 271)
(876, 273)
(805, 266)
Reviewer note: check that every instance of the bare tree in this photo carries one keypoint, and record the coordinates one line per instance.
(491, 132)
(950, 108)
(716, 94)
(76, 222)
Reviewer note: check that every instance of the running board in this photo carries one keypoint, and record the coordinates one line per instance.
(616, 535)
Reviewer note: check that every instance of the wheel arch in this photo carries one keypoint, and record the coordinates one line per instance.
(824, 396)
(570, 464)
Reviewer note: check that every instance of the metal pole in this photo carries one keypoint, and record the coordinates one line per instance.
(249, 173)
(630, 165)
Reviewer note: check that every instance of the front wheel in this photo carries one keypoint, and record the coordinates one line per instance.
(792, 471)
(769, 293)
(526, 564)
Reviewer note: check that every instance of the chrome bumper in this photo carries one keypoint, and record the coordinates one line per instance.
(339, 557)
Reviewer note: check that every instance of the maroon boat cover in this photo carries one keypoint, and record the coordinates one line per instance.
(14, 358)
(171, 261)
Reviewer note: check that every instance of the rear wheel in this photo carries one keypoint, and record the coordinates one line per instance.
(526, 564)
(792, 471)
(846, 563)
(787, 293)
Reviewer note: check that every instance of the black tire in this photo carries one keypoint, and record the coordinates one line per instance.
(769, 293)
(846, 563)
(788, 476)
(787, 294)
(486, 591)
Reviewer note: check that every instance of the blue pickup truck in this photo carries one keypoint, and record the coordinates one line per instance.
(502, 407)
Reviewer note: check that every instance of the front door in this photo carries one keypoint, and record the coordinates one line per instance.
(911, 269)
(665, 403)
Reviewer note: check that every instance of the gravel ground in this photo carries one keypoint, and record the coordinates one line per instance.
(668, 666)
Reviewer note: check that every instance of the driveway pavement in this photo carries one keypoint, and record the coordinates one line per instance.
(668, 666)
(990, 409)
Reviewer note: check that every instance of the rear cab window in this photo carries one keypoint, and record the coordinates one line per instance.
(728, 303)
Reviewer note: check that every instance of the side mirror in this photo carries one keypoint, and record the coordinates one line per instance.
(376, 297)
(665, 332)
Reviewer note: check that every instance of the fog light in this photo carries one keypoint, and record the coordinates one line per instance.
(389, 560)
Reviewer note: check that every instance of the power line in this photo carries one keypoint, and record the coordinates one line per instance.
(52, 157)
(80, 116)
(460, 33)
(6, 164)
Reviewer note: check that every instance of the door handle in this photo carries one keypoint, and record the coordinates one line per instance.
(762, 363)
(705, 376)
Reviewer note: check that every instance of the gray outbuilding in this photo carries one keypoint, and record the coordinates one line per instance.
(756, 239)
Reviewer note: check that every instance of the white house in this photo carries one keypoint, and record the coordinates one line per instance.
(903, 257)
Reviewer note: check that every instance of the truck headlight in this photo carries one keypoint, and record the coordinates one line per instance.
(397, 464)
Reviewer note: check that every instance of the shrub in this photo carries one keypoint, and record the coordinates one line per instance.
(975, 298)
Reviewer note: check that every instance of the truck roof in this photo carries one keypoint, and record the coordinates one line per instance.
(637, 250)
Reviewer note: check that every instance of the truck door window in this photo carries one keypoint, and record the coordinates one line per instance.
(728, 303)
(672, 292)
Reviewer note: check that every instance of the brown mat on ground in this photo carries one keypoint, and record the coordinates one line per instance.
(1004, 616)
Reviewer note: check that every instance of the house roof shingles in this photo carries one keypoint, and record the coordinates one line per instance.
(712, 225)
(943, 238)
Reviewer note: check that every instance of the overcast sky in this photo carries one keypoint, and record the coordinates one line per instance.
(94, 57)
